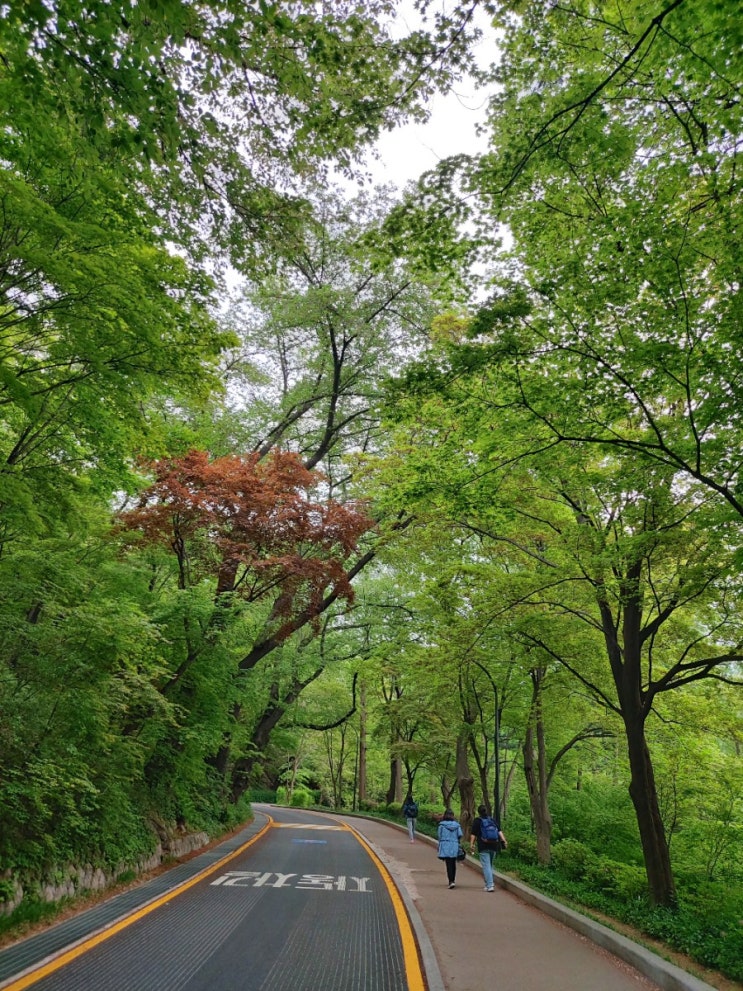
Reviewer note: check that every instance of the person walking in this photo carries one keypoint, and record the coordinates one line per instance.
(487, 833)
(410, 811)
(450, 833)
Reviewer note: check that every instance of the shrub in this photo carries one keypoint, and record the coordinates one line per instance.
(7, 889)
(618, 880)
(267, 795)
(573, 859)
(525, 848)
(600, 815)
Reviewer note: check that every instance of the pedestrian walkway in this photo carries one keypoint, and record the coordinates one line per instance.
(512, 939)
(470, 940)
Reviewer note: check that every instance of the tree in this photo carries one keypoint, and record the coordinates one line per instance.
(97, 320)
(663, 593)
(611, 545)
(614, 324)
(616, 165)
(216, 107)
(78, 704)
(539, 770)
(314, 341)
(249, 528)
(134, 138)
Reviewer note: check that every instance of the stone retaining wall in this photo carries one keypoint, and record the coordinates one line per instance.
(71, 879)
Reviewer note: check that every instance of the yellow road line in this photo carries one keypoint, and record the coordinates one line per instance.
(303, 825)
(55, 963)
(413, 970)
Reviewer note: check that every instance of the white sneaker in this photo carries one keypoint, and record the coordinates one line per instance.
(490, 889)
(452, 884)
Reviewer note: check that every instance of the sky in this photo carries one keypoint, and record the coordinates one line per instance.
(408, 151)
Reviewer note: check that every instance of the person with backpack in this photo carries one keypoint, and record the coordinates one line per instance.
(450, 833)
(410, 811)
(490, 839)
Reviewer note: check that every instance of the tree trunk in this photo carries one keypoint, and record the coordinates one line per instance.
(536, 777)
(626, 666)
(510, 774)
(466, 782)
(644, 797)
(394, 792)
(243, 767)
(362, 747)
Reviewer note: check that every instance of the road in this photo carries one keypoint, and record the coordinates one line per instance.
(307, 905)
(304, 901)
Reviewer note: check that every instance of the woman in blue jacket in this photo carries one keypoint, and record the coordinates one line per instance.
(450, 833)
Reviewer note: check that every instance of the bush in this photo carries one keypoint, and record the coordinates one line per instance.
(706, 925)
(600, 815)
(618, 880)
(573, 859)
(525, 848)
(267, 795)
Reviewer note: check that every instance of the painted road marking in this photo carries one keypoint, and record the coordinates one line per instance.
(413, 970)
(305, 882)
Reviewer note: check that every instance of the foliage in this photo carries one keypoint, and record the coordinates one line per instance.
(301, 797)
(548, 471)
(249, 522)
(216, 135)
(573, 859)
(262, 795)
(707, 930)
(600, 815)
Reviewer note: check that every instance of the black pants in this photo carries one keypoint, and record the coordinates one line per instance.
(451, 868)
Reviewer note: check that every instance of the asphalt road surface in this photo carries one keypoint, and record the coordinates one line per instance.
(305, 906)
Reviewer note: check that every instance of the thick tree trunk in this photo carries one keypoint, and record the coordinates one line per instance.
(466, 783)
(625, 658)
(394, 791)
(243, 767)
(644, 797)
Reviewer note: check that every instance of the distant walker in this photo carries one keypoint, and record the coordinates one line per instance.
(410, 811)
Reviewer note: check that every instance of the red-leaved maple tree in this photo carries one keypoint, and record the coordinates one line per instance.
(253, 525)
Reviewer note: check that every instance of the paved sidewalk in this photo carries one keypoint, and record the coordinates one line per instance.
(472, 940)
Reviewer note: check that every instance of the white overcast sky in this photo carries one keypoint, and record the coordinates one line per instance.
(408, 151)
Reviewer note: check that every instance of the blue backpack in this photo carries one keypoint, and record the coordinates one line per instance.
(489, 832)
